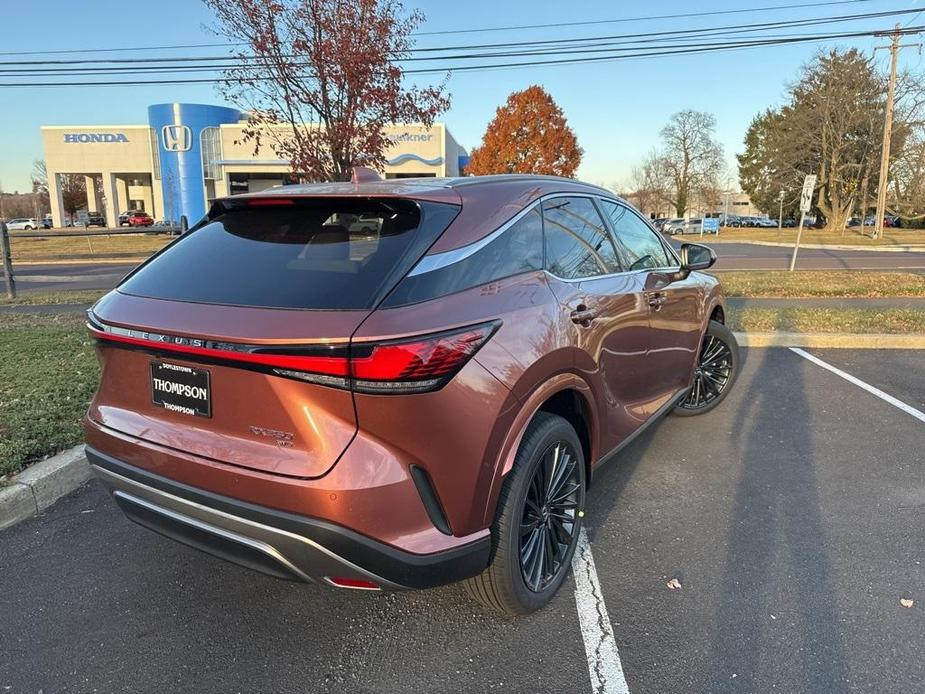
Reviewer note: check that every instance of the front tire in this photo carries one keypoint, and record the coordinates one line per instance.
(540, 511)
(715, 372)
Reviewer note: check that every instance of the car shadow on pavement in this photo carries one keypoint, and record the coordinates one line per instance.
(776, 620)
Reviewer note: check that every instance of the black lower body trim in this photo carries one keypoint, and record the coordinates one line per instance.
(401, 568)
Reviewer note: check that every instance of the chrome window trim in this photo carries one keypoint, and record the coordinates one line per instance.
(437, 261)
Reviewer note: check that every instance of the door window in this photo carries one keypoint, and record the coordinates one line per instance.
(643, 248)
(577, 242)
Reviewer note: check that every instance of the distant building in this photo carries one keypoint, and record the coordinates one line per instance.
(189, 154)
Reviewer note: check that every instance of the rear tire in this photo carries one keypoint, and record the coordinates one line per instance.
(533, 541)
(714, 374)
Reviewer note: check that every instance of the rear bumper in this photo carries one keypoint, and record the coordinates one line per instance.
(275, 542)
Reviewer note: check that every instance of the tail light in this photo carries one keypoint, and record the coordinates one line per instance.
(410, 365)
(413, 365)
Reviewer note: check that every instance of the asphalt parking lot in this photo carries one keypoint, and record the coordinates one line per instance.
(793, 517)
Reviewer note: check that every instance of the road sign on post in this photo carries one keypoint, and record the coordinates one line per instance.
(806, 197)
(710, 224)
(806, 203)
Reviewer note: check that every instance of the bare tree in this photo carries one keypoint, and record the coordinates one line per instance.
(651, 187)
(908, 179)
(40, 199)
(321, 79)
(691, 159)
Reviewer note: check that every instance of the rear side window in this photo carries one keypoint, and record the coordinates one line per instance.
(577, 242)
(640, 243)
(312, 253)
(518, 249)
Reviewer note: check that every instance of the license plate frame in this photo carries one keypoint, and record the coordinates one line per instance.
(182, 389)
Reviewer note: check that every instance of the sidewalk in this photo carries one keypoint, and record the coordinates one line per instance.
(915, 248)
(51, 309)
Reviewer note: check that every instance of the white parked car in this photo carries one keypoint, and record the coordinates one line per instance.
(22, 224)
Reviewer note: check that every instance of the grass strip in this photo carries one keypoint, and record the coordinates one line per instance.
(815, 320)
(808, 284)
(48, 372)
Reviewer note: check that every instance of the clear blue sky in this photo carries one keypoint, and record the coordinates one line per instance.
(616, 108)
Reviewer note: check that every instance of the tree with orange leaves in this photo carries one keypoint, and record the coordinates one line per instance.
(529, 134)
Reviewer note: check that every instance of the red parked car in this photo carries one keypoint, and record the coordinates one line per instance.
(399, 384)
(140, 219)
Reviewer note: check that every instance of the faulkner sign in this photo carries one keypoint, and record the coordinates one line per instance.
(95, 137)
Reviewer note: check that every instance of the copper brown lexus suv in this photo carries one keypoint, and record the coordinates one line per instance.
(398, 384)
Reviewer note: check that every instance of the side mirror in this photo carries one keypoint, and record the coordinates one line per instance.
(694, 257)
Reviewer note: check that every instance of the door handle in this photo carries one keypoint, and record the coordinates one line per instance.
(582, 315)
(657, 300)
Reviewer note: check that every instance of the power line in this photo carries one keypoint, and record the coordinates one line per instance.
(771, 8)
(640, 19)
(473, 68)
(591, 48)
(742, 28)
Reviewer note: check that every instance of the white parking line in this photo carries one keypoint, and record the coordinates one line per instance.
(604, 665)
(908, 409)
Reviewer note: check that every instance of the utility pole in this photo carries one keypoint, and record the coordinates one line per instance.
(894, 47)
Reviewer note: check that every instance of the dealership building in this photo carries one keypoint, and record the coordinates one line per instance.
(189, 154)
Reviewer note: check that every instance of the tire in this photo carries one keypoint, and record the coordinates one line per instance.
(28, 228)
(721, 366)
(503, 586)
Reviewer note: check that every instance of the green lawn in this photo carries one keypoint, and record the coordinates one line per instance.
(822, 284)
(67, 296)
(48, 373)
(816, 320)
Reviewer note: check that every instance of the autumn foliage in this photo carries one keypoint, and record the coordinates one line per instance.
(529, 134)
(321, 80)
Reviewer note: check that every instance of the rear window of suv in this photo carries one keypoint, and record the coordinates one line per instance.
(298, 253)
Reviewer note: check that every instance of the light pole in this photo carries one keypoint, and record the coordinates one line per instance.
(780, 215)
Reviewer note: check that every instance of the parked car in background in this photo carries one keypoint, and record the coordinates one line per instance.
(124, 217)
(140, 219)
(691, 226)
(670, 224)
(47, 223)
(371, 415)
(659, 223)
(94, 219)
(22, 224)
(789, 223)
(731, 221)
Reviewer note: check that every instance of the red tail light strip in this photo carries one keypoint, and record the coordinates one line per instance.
(410, 365)
(334, 366)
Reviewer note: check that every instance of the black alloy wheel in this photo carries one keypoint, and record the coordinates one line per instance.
(715, 372)
(539, 517)
(548, 528)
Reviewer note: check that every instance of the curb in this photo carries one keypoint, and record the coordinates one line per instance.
(41, 485)
(831, 340)
(81, 261)
(828, 247)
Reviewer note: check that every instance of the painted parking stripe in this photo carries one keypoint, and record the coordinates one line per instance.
(604, 665)
(908, 409)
